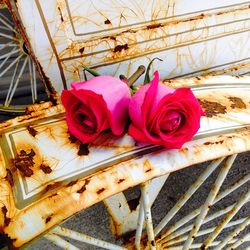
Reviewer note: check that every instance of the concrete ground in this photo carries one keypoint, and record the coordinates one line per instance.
(94, 221)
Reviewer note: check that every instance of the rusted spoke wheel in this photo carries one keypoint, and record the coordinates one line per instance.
(19, 81)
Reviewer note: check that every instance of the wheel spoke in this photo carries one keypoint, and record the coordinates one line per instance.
(236, 232)
(206, 231)
(155, 187)
(6, 19)
(60, 242)
(186, 229)
(85, 238)
(31, 80)
(34, 81)
(226, 219)
(6, 45)
(9, 66)
(209, 201)
(168, 234)
(147, 211)
(140, 223)
(188, 194)
(6, 59)
(17, 80)
(239, 242)
(8, 25)
(9, 53)
(11, 84)
(8, 37)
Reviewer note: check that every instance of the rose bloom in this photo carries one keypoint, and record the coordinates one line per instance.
(96, 105)
(164, 116)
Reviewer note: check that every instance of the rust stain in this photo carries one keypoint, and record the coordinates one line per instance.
(237, 103)
(48, 219)
(72, 139)
(201, 16)
(211, 143)
(45, 169)
(60, 12)
(100, 190)
(81, 50)
(128, 31)
(107, 21)
(71, 183)
(9, 177)
(183, 150)
(83, 149)
(120, 181)
(119, 48)
(109, 38)
(24, 161)
(5, 239)
(212, 108)
(154, 26)
(83, 188)
(32, 131)
(133, 204)
(52, 186)
(147, 166)
(6, 219)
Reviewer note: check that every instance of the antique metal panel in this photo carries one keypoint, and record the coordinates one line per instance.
(66, 35)
(40, 169)
(28, 194)
(116, 37)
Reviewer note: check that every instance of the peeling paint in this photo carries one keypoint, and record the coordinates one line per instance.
(38, 127)
(212, 108)
(24, 162)
(237, 103)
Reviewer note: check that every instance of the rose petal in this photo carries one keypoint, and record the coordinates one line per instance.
(95, 103)
(90, 104)
(147, 98)
(161, 107)
(115, 93)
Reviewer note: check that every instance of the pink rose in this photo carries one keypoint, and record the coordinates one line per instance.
(96, 105)
(164, 116)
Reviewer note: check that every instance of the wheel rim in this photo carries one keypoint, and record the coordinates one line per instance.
(19, 82)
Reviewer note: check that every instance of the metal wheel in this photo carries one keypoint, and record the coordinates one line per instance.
(19, 81)
(211, 213)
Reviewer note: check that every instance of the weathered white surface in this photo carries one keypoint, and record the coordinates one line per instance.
(116, 36)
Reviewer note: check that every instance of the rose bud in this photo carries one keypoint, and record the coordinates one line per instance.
(164, 116)
(96, 105)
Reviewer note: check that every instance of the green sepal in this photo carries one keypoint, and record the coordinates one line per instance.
(147, 77)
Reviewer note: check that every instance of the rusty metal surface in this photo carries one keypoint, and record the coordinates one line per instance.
(192, 39)
(117, 38)
(25, 40)
(38, 178)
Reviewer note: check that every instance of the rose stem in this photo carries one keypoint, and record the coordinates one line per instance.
(124, 79)
(132, 79)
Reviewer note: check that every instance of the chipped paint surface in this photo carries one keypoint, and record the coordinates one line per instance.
(64, 177)
(192, 39)
(116, 38)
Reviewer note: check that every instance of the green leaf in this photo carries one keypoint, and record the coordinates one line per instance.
(91, 71)
(147, 77)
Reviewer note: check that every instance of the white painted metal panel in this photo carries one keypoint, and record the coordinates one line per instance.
(116, 36)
